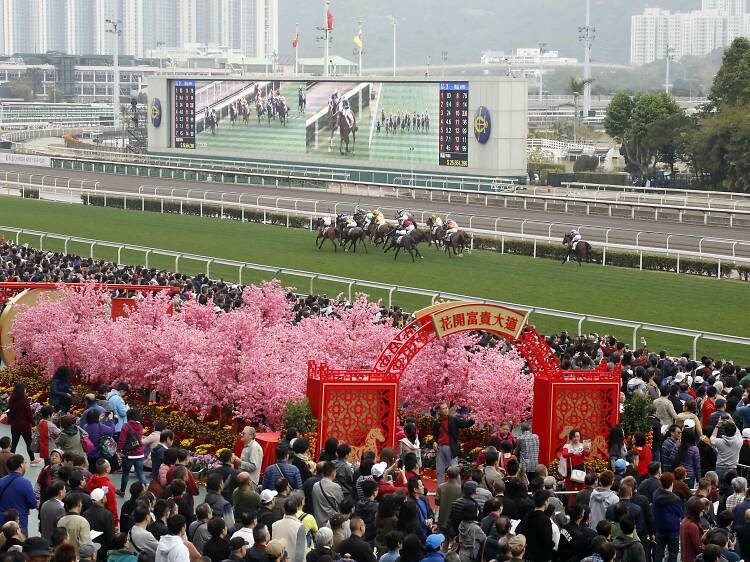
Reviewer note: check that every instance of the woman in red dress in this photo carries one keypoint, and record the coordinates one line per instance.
(575, 453)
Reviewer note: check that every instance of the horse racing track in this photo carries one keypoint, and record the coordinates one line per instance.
(660, 298)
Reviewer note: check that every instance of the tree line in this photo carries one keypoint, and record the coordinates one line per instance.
(713, 142)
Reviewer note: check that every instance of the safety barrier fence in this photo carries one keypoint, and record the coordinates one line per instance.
(498, 197)
(727, 248)
(204, 207)
(351, 285)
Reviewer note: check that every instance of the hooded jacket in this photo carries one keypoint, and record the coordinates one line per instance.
(100, 481)
(629, 550)
(668, 512)
(601, 499)
(172, 549)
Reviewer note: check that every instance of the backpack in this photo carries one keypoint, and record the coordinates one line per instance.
(107, 445)
(131, 440)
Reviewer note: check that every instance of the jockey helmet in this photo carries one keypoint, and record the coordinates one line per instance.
(408, 223)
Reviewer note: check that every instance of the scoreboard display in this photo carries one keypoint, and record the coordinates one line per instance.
(184, 114)
(454, 124)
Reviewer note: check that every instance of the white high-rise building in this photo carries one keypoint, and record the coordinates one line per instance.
(25, 27)
(656, 32)
(79, 26)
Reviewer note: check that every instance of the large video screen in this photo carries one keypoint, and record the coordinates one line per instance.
(401, 123)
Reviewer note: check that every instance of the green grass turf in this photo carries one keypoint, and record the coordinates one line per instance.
(660, 298)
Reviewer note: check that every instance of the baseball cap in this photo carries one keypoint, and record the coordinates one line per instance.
(267, 495)
(97, 494)
(36, 546)
(470, 487)
(275, 548)
(88, 549)
(621, 464)
(679, 377)
(698, 380)
(58, 451)
(378, 469)
(746, 433)
(237, 543)
(434, 542)
(688, 424)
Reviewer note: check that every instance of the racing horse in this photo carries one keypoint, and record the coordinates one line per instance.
(260, 109)
(326, 233)
(582, 252)
(436, 234)
(379, 232)
(345, 130)
(409, 243)
(282, 110)
(356, 235)
(457, 243)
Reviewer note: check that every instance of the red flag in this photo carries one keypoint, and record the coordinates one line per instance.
(329, 17)
(295, 41)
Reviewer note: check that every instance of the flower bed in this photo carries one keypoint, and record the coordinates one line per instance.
(202, 435)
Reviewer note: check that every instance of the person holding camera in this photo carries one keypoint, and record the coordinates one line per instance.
(727, 442)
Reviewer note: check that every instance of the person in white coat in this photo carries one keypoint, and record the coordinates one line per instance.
(172, 545)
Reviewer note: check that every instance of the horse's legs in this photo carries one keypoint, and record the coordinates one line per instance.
(398, 249)
(416, 249)
(364, 244)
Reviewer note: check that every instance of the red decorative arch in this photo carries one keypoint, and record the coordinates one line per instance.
(359, 406)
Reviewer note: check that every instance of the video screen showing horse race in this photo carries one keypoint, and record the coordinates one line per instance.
(364, 121)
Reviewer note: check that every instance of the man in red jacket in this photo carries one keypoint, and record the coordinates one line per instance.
(101, 480)
(708, 407)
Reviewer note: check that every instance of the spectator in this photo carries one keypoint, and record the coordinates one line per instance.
(215, 498)
(244, 498)
(528, 448)
(575, 452)
(282, 469)
(344, 471)
(367, 509)
(130, 444)
(394, 541)
(670, 448)
(355, 545)
(290, 531)
(323, 546)
(668, 511)
(248, 521)
(166, 440)
(649, 485)
(664, 408)
(537, 524)
(197, 532)
(21, 420)
(78, 528)
(602, 498)
(644, 453)
(52, 510)
(60, 391)
(327, 495)
(447, 493)
(517, 547)
(48, 433)
(267, 516)
(100, 519)
(446, 443)
(583, 497)
(100, 432)
(217, 548)
(121, 551)
(139, 537)
(227, 472)
(690, 530)
(688, 456)
(628, 549)
(171, 547)
(727, 446)
(410, 443)
(459, 509)
(301, 459)
(101, 480)
(12, 536)
(16, 492)
(116, 399)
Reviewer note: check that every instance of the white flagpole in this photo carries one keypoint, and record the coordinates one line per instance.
(296, 52)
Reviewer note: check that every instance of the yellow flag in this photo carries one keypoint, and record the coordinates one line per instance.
(358, 41)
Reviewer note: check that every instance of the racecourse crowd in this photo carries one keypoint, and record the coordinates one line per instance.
(677, 488)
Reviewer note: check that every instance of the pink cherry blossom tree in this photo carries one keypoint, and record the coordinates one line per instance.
(48, 334)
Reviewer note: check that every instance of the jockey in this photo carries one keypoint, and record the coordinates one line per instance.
(333, 101)
(452, 228)
(575, 237)
(406, 228)
(348, 113)
(403, 216)
(368, 219)
(379, 217)
(350, 223)
(437, 223)
(327, 220)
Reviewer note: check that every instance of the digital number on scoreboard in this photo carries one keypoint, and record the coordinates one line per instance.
(184, 114)
(454, 124)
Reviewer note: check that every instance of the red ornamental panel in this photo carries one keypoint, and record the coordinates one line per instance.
(587, 401)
